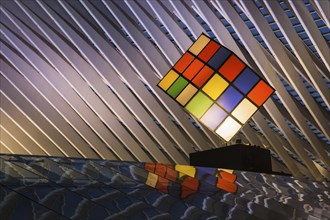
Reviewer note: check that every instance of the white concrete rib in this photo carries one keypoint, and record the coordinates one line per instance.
(311, 29)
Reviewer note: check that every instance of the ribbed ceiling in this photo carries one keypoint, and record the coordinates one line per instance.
(79, 78)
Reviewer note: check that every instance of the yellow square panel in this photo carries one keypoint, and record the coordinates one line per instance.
(244, 111)
(152, 180)
(185, 169)
(186, 94)
(215, 86)
(199, 45)
(228, 128)
(168, 80)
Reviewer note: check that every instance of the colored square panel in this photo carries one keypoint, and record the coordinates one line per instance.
(185, 169)
(171, 174)
(183, 62)
(177, 87)
(168, 80)
(208, 51)
(162, 184)
(227, 186)
(199, 44)
(246, 80)
(199, 104)
(149, 167)
(189, 185)
(193, 69)
(228, 128)
(244, 111)
(215, 86)
(203, 75)
(152, 179)
(260, 93)
(203, 171)
(232, 67)
(219, 58)
(186, 94)
(214, 116)
(160, 169)
(230, 98)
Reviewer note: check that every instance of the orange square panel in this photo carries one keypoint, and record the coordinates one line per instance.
(184, 61)
(193, 69)
(203, 75)
(232, 67)
(260, 93)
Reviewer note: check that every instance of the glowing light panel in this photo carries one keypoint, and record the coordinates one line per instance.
(228, 128)
(216, 87)
(244, 110)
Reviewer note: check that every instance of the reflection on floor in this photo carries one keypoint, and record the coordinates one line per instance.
(33, 187)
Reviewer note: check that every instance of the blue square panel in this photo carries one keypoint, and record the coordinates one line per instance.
(219, 58)
(246, 80)
(214, 116)
(230, 98)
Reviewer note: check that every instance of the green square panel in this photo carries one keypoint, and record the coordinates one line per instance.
(177, 87)
(199, 104)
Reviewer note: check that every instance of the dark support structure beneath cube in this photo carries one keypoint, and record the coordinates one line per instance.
(236, 157)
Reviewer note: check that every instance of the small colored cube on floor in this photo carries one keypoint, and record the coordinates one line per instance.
(214, 85)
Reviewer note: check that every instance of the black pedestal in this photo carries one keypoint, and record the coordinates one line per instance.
(236, 157)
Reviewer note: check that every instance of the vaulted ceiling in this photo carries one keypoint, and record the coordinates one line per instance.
(79, 78)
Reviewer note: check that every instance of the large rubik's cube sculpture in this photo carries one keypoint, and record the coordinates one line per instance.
(216, 87)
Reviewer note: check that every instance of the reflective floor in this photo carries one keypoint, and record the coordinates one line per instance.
(33, 187)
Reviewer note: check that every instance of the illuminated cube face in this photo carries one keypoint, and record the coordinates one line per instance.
(216, 87)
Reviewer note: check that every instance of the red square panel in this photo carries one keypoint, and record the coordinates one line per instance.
(160, 170)
(260, 93)
(171, 174)
(208, 51)
(150, 167)
(231, 68)
(162, 184)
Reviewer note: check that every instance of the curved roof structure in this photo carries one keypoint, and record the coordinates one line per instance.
(79, 78)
